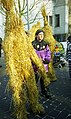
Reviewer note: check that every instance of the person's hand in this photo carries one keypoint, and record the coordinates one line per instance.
(46, 61)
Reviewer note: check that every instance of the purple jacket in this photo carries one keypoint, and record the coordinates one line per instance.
(43, 52)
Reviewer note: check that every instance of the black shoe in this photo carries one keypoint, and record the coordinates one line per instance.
(47, 96)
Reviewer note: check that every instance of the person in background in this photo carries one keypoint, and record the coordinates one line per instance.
(0, 48)
(43, 52)
(0, 45)
(68, 54)
(56, 54)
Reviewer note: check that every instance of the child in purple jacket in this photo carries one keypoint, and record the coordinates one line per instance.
(43, 51)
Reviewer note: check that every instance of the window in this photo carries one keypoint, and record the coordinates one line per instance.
(57, 20)
(50, 20)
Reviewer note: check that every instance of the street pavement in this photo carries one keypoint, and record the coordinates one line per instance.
(59, 107)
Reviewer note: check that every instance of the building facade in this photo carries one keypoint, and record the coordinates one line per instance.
(61, 19)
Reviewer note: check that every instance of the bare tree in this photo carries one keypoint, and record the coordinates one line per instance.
(28, 10)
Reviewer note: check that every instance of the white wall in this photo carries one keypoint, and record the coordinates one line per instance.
(2, 26)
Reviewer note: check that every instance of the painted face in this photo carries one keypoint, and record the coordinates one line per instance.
(40, 36)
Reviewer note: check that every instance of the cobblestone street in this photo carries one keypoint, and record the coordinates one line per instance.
(59, 107)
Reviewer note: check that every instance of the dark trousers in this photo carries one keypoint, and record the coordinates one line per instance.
(44, 90)
(70, 68)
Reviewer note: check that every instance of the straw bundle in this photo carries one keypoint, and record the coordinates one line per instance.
(51, 41)
(33, 30)
(7, 4)
(19, 55)
(48, 33)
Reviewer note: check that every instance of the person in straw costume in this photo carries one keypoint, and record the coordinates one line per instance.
(19, 54)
